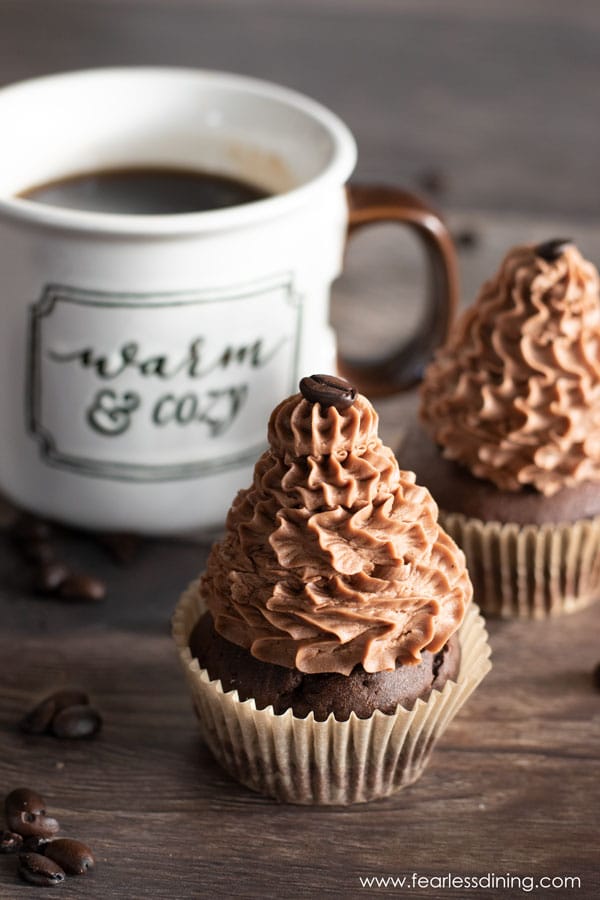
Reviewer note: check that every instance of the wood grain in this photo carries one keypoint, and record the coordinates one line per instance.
(498, 95)
(512, 786)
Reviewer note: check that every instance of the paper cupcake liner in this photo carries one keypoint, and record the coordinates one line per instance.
(529, 571)
(303, 761)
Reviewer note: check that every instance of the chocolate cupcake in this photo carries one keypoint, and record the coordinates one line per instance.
(322, 643)
(510, 446)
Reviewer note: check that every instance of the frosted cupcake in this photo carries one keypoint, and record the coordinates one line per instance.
(511, 408)
(321, 642)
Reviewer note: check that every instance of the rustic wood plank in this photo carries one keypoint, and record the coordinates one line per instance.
(513, 786)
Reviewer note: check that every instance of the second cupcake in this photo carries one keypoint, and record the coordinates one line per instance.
(511, 442)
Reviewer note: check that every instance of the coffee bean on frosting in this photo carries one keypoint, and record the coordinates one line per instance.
(73, 856)
(328, 390)
(25, 812)
(40, 870)
(77, 722)
(552, 250)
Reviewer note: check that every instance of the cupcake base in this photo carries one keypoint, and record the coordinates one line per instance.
(300, 760)
(360, 692)
(529, 556)
(529, 571)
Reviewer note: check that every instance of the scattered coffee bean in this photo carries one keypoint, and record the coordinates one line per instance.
(72, 856)
(34, 844)
(10, 842)
(596, 676)
(69, 697)
(76, 722)
(552, 250)
(328, 390)
(25, 812)
(433, 181)
(24, 799)
(33, 824)
(43, 860)
(50, 576)
(82, 587)
(40, 870)
(39, 719)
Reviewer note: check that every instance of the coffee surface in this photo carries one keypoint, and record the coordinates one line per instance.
(145, 191)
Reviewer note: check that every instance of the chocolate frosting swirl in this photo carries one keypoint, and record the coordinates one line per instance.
(514, 394)
(334, 557)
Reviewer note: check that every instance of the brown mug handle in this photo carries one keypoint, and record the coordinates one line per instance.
(404, 367)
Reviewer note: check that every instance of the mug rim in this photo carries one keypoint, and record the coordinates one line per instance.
(336, 171)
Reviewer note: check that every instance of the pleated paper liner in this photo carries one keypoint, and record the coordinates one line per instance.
(529, 571)
(302, 761)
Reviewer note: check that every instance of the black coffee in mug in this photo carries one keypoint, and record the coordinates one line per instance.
(146, 191)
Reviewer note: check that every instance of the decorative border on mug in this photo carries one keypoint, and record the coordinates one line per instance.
(97, 400)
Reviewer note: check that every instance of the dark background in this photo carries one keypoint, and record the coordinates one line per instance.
(502, 95)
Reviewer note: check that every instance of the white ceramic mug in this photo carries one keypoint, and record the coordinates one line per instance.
(140, 355)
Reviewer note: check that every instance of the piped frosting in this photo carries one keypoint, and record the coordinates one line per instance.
(514, 394)
(334, 557)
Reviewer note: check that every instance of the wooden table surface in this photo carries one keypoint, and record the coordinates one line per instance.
(514, 784)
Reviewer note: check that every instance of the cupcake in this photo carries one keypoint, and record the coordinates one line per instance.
(322, 643)
(510, 438)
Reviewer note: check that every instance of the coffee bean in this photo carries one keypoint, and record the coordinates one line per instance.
(82, 587)
(76, 722)
(39, 719)
(72, 856)
(50, 576)
(35, 844)
(31, 824)
(552, 250)
(25, 812)
(69, 697)
(596, 676)
(40, 870)
(23, 799)
(10, 842)
(328, 391)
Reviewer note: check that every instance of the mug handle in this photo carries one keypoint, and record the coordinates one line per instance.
(404, 367)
